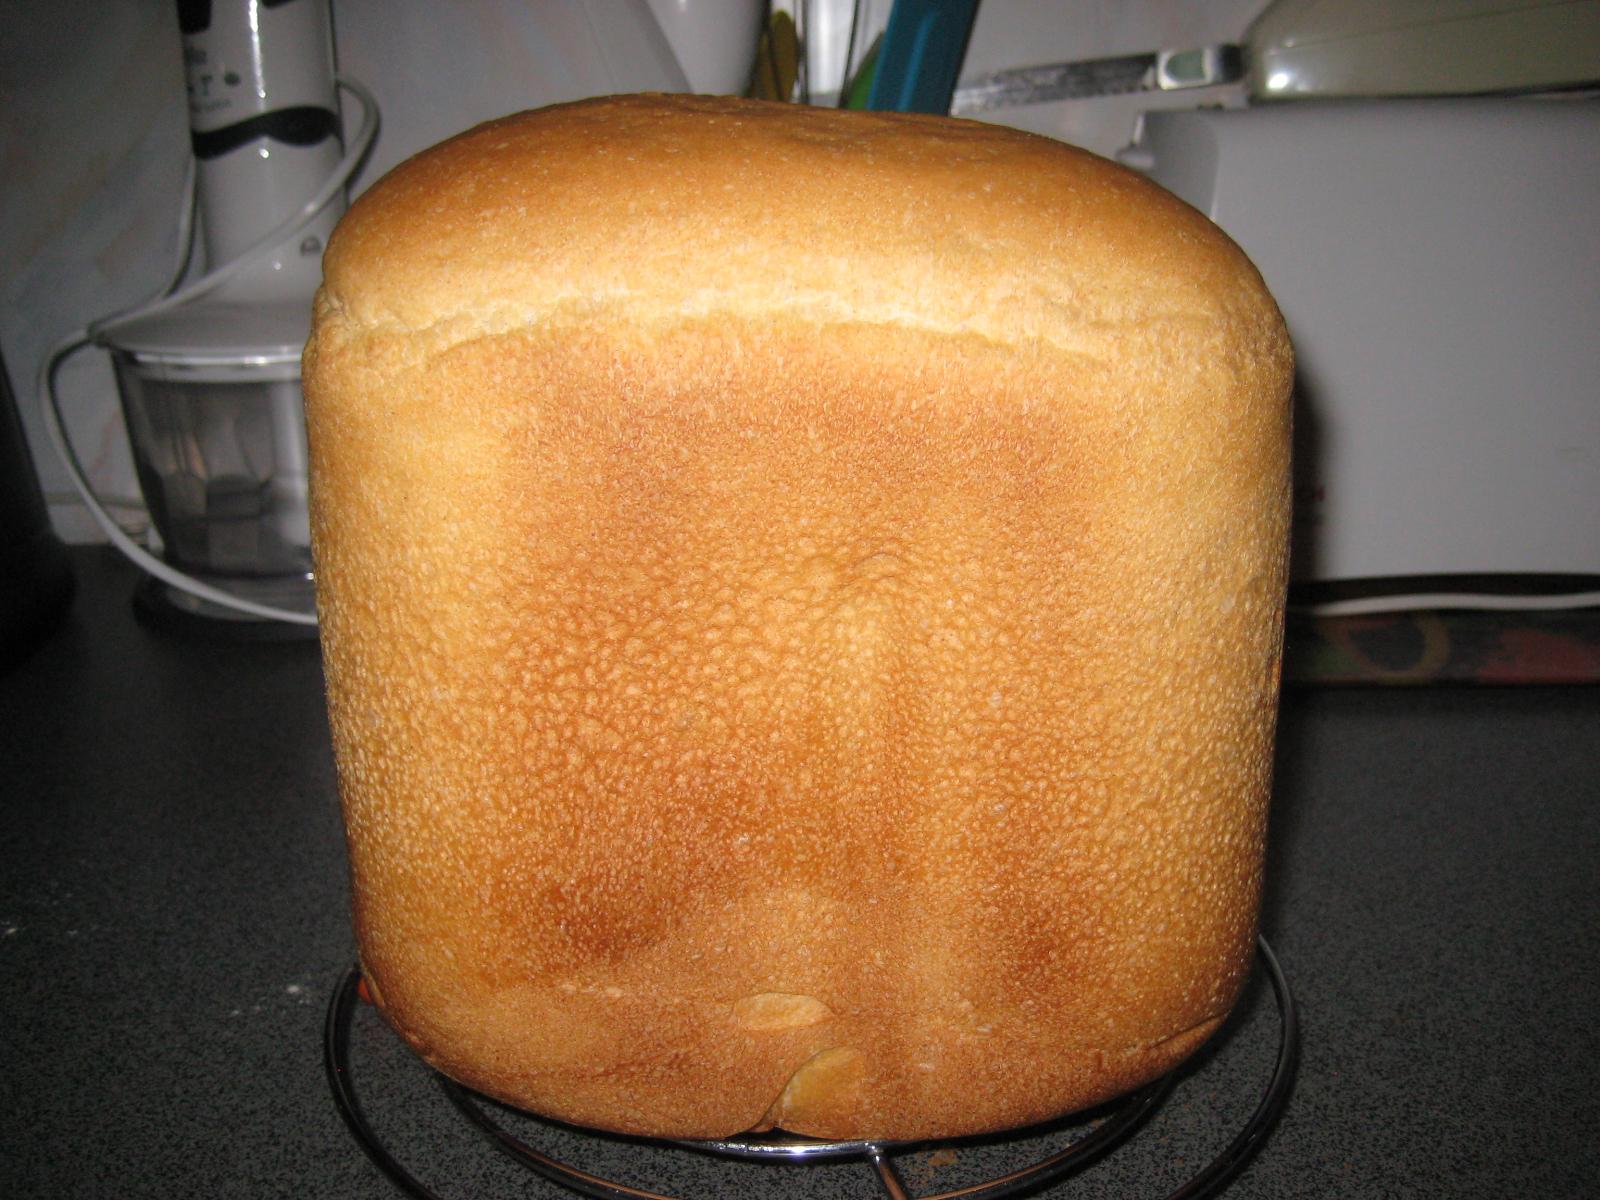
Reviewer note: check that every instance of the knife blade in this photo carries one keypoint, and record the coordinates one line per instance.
(1164, 70)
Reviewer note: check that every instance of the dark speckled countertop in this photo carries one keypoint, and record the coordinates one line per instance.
(173, 921)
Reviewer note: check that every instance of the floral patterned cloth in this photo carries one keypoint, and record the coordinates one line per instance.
(1447, 646)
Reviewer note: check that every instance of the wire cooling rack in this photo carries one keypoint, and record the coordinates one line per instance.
(1117, 1124)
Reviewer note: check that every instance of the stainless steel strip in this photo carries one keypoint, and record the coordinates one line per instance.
(1057, 81)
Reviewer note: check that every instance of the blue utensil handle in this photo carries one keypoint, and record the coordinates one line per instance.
(921, 57)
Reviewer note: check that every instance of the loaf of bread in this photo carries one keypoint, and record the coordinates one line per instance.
(801, 594)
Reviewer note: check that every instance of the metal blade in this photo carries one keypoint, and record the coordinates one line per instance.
(1166, 70)
(1057, 81)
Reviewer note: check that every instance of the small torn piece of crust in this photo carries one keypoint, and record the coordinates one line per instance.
(825, 1092)
(770, 1011)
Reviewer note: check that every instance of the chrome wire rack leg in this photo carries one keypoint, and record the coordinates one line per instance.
(336, 1065)
(886, 1173)
(1132, 1111)
(1221, 1170)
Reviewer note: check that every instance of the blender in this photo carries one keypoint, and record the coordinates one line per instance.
(209, 375)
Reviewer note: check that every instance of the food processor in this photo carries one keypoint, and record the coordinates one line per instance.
(209, 375)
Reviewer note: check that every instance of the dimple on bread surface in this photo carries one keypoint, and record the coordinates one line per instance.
(801, 597)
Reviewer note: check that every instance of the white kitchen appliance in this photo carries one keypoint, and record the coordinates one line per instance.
(1436, 253)
(1438, 264)
(209, 376)
(714, 41)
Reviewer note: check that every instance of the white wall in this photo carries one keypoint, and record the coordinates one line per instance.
(93, 134)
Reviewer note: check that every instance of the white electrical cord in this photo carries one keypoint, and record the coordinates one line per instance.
(1483, 601)
(171, 297)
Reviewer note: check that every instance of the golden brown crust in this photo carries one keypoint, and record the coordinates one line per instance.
(677, 207)
(801, 596)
